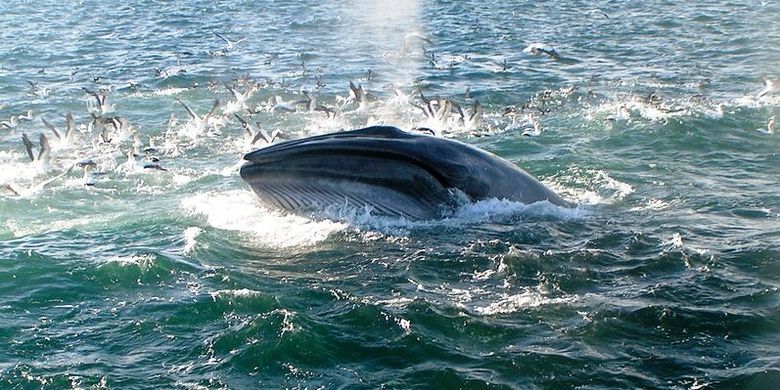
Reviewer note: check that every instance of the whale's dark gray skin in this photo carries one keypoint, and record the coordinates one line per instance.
(393, 172)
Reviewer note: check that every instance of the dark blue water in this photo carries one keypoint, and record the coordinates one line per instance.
(665, 276)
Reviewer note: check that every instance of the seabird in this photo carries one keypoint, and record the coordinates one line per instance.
(11, 123)
(118, 124)
(200, 120)
(357, 93)
(134, 165)
(505, 65)
(137, 145)
(67, 135)
(230, 44)
(311, 101)
(27, 116)
(35, 90)
(152, 148)
(622, 115)
(44, 151)
(256, 132)
(23, 192)
(540, 48)
(277, 103)
(88, 165)
(770, 87)
(241, 97)
(410, 38)
(329, 112)
(537, 127)
(101, 98)
(471, 119)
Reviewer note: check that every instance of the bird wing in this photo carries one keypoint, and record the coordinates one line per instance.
(45, 149)
(221, 37)
(213, 108)
(28, 145)
(69, 125)
(191, 113)
(51, 127)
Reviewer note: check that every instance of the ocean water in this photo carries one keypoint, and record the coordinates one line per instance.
(665, 275)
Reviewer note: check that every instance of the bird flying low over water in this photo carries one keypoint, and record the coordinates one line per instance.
(229, 45)
(68, 134)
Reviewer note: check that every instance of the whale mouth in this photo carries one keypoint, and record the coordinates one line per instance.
(359, 169)
(387, 170)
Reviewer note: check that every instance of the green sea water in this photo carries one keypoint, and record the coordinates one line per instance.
(665, 275)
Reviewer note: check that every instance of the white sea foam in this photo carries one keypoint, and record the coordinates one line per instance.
(239, 210)
(143, 261)
(190, 238)
(238, 293)
(26, 228)
(512, 303)
(589, 186)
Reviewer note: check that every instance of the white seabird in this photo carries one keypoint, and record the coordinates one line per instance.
(230, 45)
(540, 48)
(34, 189)
(770, 87)
(88, 165)
(255, 131)
(101, 98)
(134, 165)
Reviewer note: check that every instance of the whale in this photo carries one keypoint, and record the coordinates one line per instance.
(386, 171)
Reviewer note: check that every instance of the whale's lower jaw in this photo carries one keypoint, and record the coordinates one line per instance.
(312, 184)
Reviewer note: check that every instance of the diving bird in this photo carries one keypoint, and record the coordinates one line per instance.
(256, 132)
(770, 87)
(540, 48)
(472, 119)
(387, 171)
(277, 103)
(199, 121)
(240, 98)
(311, 101)
(44, 151)
(101, 98)
(34, 188)
(66, 136)
(411, 38)
(359, 94)
(329, 112)
(770, 127)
